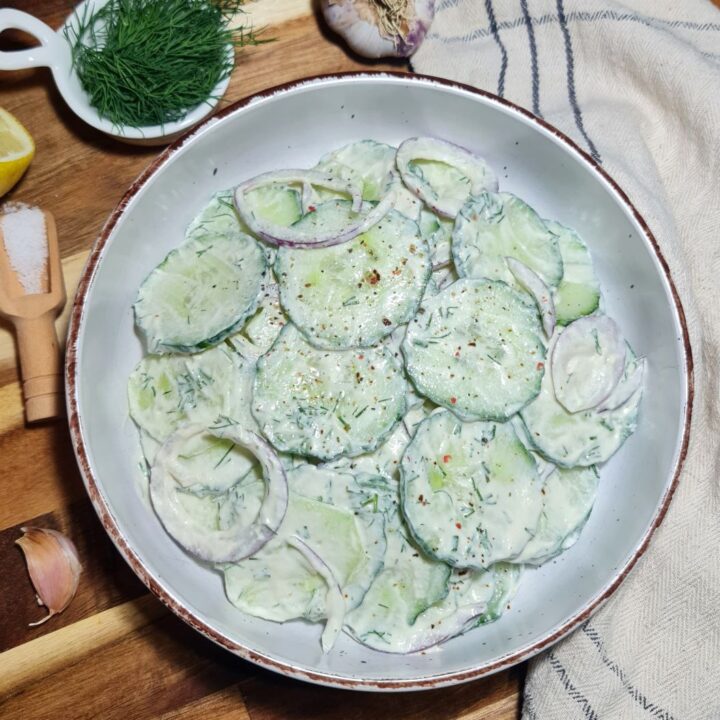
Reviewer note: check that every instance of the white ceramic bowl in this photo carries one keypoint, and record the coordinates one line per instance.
(54, 52)
(291, 127)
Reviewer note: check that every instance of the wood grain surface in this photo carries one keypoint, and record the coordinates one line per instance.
(116, 652)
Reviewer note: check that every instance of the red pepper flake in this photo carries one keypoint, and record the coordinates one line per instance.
(387, 322)
(540, 366)
(447, 458)
(311, 208)
(373, 277)
(458, 526)
(453, 400)
(361, 357)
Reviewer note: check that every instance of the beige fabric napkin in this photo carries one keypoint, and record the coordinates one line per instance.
(637, 84)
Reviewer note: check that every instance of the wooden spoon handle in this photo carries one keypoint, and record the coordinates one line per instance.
(41, 367)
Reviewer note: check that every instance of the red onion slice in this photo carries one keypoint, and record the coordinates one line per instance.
(587, 362)
(297, 238)
(334, 601)
(535, 285)
(625, 389)
(478, 172)
(236, 542)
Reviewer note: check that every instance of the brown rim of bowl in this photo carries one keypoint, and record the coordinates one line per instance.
(265, 661)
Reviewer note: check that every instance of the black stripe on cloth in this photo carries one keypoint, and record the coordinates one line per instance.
(571, 690)
(636, 695)
(578, 16)
(503, 51)
(570, 61)
(533, 58)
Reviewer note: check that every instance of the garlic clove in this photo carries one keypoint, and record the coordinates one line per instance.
(380, 28)
(54, 568)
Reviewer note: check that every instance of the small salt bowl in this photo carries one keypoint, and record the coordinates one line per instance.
(54, 51)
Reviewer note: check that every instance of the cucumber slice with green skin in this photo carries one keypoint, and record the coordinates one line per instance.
(277, 583)
(583, 438)
(408, 584)
(384, 460)
(438, 233)
(471, 493)
(468, 595)
(200, 293)
(265, 325)
(216, 511)
(366, 162)
(218, 217)
(180, 508)
(476, 349)
(568, 497)
(507, 579)
(494, 226)
(165, 391)
(354, 294)
(275, 203)
(578, 293)
(326, 404)
(442, 174)
(359, 494)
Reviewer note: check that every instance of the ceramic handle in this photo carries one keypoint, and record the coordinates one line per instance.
(40, 56)
(41, 367)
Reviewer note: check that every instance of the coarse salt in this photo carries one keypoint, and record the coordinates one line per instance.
(25, 236)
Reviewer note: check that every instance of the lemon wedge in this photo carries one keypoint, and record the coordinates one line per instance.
(16, 150)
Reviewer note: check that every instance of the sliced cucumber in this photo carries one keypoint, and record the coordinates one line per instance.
(200, 293)
(326, 404)
(384, 460)
(568, 497)
(278, 583)
(442, 174)
(507, 579)
(476, 349)
(471, 493)
(408, 584)
(218, 217)
(366, 162)
(494, 226)
(265, 325)
(438, 233)
(206, 463)
(578, 293)
(354, 294)
(583, 438)
(275, 203)
(361, 494)
(407, 203)
(221, 510)
(165, 391)
(183, 509)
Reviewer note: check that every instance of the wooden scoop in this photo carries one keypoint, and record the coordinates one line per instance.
(34, 319)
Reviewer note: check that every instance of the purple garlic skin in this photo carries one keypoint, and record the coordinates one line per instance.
(380, 28)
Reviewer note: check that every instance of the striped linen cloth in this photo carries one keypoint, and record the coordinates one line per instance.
(637, 84)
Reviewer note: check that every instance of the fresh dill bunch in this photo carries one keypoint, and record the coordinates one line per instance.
(149, 62)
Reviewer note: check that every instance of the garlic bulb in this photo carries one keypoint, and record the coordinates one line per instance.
(380, 28)
(53, 566)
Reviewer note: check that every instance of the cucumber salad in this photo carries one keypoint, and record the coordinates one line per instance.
(377, 391)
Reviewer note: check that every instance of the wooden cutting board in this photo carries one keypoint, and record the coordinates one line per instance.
(116, 652)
